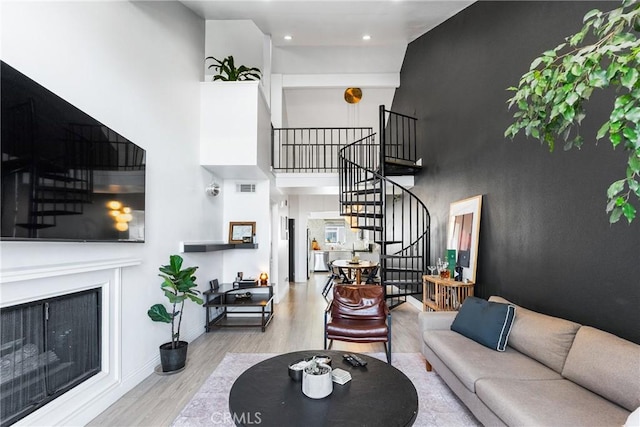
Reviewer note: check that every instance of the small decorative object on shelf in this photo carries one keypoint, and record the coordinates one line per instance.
(264, 278)
(245, 295)
(239, 230)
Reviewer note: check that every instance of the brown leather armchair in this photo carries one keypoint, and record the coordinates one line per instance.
(358, 314)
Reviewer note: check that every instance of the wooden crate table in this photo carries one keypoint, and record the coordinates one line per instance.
(444, 294)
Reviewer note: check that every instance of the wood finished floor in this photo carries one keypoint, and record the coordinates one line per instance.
(297, 325)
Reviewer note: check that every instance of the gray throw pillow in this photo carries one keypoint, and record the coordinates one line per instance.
(487, 323)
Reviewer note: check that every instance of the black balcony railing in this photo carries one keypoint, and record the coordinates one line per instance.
(311, 150)
(398, 137)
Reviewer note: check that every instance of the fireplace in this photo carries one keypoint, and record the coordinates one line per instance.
(47, 347)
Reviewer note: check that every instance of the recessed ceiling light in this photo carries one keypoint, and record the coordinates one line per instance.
(288, 37)
(366, 37)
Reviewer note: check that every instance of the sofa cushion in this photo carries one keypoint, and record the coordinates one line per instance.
(470, 361)
(607, 365)
(547, 403)
(545, 338)
(487, 323)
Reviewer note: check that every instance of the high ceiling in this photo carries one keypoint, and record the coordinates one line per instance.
(334, 22)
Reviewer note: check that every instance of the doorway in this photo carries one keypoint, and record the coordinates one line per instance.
(292, 249)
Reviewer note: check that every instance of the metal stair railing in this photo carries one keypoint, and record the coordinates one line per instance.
(398, 219)
(311, 150)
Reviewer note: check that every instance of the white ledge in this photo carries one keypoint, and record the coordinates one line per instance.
(8, 275)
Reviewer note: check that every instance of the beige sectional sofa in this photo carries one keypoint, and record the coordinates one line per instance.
(553, 373)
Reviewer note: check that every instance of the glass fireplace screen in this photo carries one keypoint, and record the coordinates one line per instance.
(47, 347)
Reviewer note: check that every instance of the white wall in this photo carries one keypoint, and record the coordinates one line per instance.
(249, 207)
(136, 67)
(338, 59)
(326, 107)
(229, 123)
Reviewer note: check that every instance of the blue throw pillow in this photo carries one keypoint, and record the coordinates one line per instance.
(487, 323)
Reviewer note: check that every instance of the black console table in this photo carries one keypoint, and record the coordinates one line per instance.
(245, 310)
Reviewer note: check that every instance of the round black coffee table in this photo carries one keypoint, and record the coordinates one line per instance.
(377, 395)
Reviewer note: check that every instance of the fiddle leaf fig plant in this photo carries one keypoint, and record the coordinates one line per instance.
(228, 72)
(178, 286)
(550, 98)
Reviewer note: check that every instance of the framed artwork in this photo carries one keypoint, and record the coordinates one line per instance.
(463, 233)
(240, 232)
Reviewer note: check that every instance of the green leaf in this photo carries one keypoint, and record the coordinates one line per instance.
(633, 115)
(158, 313)
(591, 14)
(617, 114)
(630, 78)
(572, 98)
(630, 134)
(615, 139)
(616, 213)
(634, 164)
(603, 130)
(598, 78)
(615, 188)
(629, 212)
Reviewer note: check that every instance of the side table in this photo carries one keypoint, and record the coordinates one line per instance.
(256, 310)
(444, 294)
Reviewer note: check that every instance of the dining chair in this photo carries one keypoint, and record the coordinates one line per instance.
(372, 276)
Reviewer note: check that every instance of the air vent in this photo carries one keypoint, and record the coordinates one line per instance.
(245, 188)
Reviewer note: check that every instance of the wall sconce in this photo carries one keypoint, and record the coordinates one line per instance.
(264, 277)
(213, 189)
(121, 215)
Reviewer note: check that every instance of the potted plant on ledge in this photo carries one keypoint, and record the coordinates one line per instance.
(178, 286)
(228, 72)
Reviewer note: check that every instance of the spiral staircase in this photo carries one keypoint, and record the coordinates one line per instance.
(372, 199)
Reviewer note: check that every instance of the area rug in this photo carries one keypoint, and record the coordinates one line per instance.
(437, 405)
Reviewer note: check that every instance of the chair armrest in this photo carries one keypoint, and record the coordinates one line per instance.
(436, 320)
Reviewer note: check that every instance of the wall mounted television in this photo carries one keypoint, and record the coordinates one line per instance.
(65, 175)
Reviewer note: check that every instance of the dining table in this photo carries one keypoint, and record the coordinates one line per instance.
(354, 268)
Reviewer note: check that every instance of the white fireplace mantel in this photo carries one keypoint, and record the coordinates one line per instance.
(25, 284)
(51, 270)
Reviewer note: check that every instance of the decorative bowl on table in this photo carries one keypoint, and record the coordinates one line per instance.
(243, 296)
(296, 368)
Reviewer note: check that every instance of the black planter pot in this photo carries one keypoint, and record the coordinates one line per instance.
(173, 359)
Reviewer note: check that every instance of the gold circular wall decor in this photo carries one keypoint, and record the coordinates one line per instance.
(353, 95)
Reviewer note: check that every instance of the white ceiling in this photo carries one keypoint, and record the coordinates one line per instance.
(334, 22)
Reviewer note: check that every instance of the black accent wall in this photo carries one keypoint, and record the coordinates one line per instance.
(545, 239)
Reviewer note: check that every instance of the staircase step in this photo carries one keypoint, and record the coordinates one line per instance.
(60, 201)
(369, 227)
(402, 283)
(388, 242)
(401, 256)
(373, 179)
(61, 189)
(366, 191)
(393, 302)
(56, 212)
(60, 178)
(408, 270)
(363, 215)
(394, 167)
(362, 203)
(34, 226)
